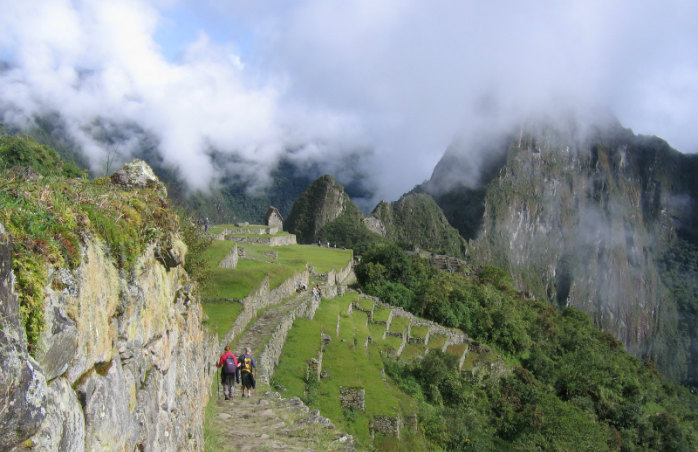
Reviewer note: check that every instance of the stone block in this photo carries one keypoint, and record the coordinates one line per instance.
(352, 397)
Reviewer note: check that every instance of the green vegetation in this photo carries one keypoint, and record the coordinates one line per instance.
(573, 387)
(678, 268)
(23, 151)
(399, 324)
(50, 218)
(197, 246)
(220, 316)
(416, 221)
(419, 332)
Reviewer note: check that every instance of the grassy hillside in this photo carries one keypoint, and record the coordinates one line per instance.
(347, 363)
(573, 386)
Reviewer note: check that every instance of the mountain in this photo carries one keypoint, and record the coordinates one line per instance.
(415, 220)
(325, 213)
(590, 215)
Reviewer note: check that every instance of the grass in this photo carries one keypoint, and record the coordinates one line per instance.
(456, 350)
(436, 341)
(399, 324)
(392, 342)
(221, 315)
(239, 282)
(365, 304)
(419, 332)
(322, 259)
(376, 330)
(471, 359)
(412, 351)
(381, 314)
(213, 433)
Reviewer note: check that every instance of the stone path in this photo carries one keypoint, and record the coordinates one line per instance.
(258, 334)
(270, 423)
(265, 421)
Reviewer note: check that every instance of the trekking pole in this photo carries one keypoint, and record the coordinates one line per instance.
(218, 384)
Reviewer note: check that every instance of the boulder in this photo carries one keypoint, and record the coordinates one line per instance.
(138, 174)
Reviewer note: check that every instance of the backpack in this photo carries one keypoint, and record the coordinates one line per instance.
(246, 363)
(229, 366)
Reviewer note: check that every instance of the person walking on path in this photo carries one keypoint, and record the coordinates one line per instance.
(228, 364)
(247, 366)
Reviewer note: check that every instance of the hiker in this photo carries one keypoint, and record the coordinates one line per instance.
(319, 291)
(228, 364)
(206, 223)
(247, 365)
(316, 294)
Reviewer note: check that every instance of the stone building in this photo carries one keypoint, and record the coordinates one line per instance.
(273, 218)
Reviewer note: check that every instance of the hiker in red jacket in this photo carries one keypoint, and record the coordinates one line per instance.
(229, 364)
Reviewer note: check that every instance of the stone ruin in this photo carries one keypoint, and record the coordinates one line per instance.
(273, 218)
(352, 397)
(385, 425)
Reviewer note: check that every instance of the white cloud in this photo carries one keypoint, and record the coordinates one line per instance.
(399, 77)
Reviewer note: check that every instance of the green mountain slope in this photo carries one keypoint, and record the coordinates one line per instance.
(416, 221)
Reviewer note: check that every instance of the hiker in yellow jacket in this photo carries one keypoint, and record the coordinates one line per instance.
(247, 366)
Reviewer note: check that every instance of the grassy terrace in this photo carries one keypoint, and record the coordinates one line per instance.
(381, 314)
(365, 304)
(239, 282)
(227, 285)
(419, 332)
(348, 364)
(399, 324)
(436, 341)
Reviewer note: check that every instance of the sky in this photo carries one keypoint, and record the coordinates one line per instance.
(393, 80)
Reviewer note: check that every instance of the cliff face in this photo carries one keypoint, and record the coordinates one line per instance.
(121, 361)
(586, 217)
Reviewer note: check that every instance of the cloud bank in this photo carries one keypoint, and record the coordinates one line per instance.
(400, 78)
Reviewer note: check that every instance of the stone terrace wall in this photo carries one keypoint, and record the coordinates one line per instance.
(453, 336)
(275, 240)
(261, 298)
(261, 230)
(269, 357)
(231, 259)
(124, 363)
(346, 275)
